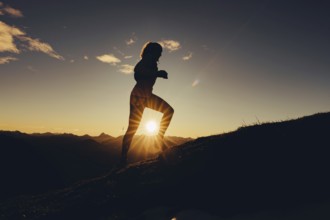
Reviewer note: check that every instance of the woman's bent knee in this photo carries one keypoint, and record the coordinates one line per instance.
(170, 111)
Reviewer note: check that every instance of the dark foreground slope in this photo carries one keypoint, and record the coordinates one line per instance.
(37, 163)
(274, 166)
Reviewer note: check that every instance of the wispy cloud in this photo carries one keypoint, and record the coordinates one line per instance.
(126, 69)
(12, 12)
(188, 56)
(37, 45)
(8, 35)
(6, 9)
(119, 51)
(12, 39)
(109, 58)
(4, 60)
(131, 40)
(195, 83)
(170, 45)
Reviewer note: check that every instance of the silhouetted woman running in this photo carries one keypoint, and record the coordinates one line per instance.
(145, 74)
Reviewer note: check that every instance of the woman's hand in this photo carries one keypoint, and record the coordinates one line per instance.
(162, 74)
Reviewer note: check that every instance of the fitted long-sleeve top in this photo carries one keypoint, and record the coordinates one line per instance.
(145, 75)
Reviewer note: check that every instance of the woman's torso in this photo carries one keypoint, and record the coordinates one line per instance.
(145, 76)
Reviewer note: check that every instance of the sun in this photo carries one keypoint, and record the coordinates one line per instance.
(151, 127)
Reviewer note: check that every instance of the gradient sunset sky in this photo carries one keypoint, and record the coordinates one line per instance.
(66, 66)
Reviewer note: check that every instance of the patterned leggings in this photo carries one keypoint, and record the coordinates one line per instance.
(137, 106)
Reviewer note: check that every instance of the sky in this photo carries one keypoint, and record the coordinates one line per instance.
(67, 66)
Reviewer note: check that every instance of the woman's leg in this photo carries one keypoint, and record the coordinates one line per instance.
(135, 116)
(158, 104)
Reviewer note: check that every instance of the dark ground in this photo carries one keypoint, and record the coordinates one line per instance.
(265, 171)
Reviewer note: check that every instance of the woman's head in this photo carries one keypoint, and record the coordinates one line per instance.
(151, 50)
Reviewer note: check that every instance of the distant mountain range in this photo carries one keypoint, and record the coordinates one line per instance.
(35, 163)
(264, 171)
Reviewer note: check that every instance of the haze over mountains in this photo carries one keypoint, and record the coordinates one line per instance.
(264, 171)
